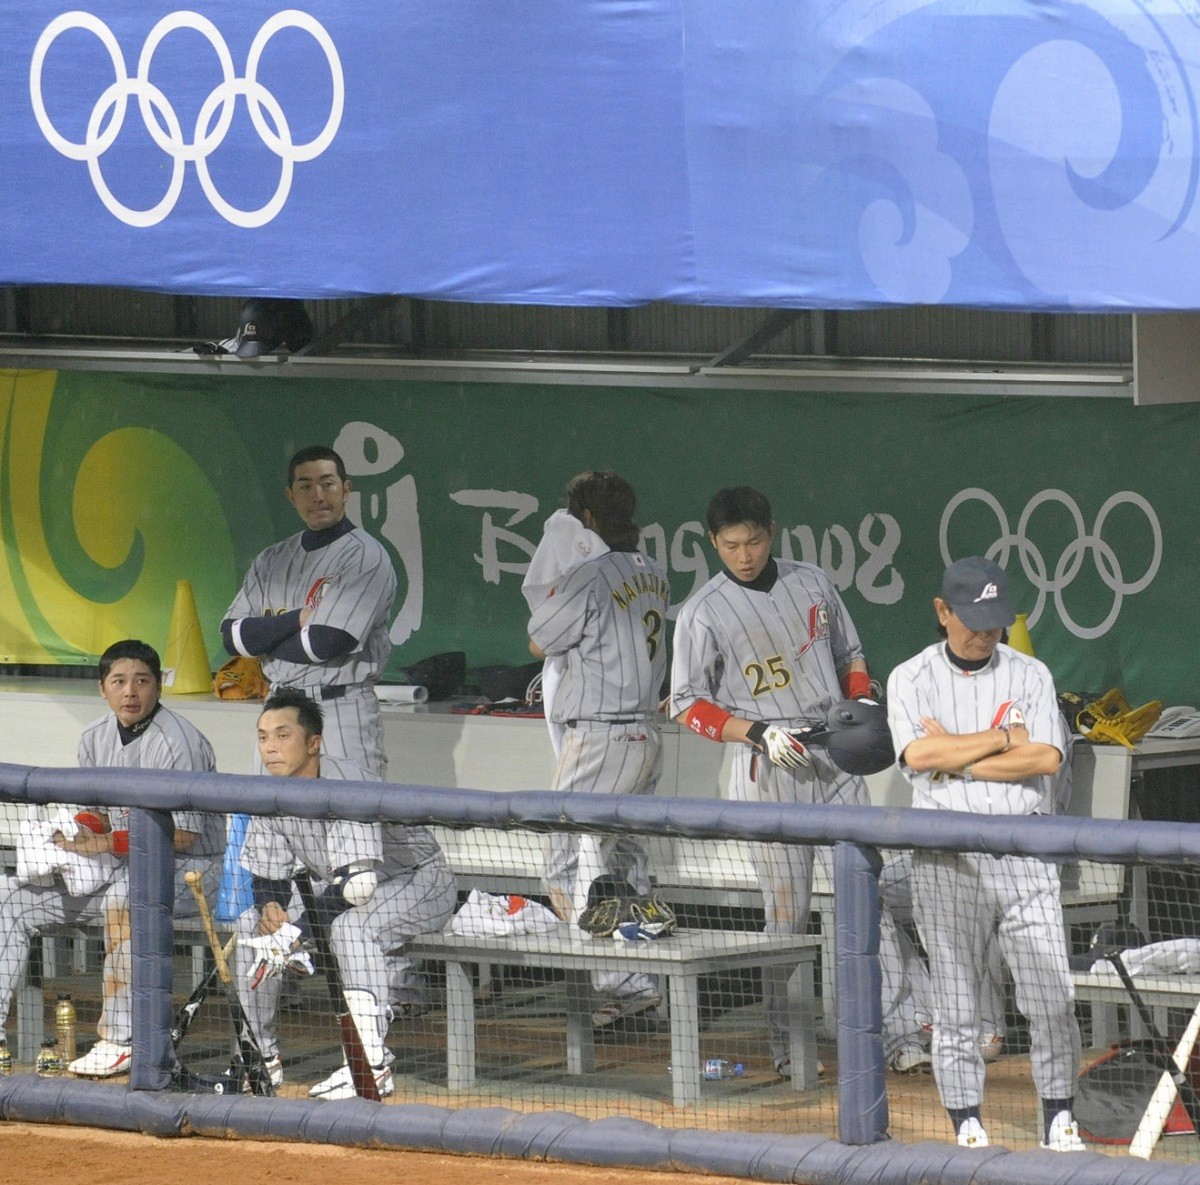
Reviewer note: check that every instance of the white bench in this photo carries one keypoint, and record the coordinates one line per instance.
(680, 959)
(1105, 992)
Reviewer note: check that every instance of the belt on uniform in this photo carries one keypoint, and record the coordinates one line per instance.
(324, 693)
(605, 723)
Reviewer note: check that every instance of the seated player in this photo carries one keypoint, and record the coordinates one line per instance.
(138, 733)
(387, 883)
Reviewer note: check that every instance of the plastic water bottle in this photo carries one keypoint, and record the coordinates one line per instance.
(717, 1067)
(6, 1059)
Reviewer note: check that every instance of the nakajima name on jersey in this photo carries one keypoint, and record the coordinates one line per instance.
(641, 584)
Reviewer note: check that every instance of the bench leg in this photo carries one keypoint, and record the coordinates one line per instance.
(683, 997)
(802, 1025)
(460, 1028)
(581, 1040)
(828, 976)
(1105, 1026)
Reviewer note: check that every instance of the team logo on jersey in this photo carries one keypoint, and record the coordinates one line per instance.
(1008, 715)
(818, 626)
(316, 593)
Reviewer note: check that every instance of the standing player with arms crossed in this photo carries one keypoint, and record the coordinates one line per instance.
(315, 609)
(767, 645)
(388, 883)
(606, 621)
(977, 728)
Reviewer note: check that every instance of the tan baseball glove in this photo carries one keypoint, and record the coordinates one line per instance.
(240, 678)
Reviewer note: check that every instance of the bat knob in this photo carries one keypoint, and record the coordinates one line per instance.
(192, 877)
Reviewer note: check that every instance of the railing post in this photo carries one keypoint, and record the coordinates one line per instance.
(151, 899)
(862, 1089)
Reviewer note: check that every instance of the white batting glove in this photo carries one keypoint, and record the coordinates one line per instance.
(782, 746)
(277, 953)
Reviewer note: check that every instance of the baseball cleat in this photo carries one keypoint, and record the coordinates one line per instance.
(992, 1046)
(972, 1135)
(339, 1084)
(783, 1067)
(275, 1070)
(1063, 1135)
(408, 1009)
(622, 1007)
(910, 1060)
(103, 1060)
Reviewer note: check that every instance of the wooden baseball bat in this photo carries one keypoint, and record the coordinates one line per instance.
(1158, 1110)
(253, 1062)
(361, 1073)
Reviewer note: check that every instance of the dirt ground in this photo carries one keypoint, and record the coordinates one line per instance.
(43, 1154)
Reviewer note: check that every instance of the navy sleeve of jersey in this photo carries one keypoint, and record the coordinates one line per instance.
(325, 641)
(265, 889)
(260, 635)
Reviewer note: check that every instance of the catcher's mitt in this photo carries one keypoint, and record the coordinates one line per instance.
(1110, 720)
(240, 678)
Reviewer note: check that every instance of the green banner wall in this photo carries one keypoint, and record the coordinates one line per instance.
(113, 487)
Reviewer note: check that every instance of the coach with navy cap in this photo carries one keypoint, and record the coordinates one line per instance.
(976, 589)
(977, 729)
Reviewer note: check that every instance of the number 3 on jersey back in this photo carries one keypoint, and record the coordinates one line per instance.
(652, 620)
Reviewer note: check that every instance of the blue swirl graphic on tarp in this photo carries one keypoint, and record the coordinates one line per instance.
(609, 152)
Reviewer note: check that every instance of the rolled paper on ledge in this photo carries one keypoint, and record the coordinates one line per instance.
(401, 693)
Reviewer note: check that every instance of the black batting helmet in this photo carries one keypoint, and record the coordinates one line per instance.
(859, 740)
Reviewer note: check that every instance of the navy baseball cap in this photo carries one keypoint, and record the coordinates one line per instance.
(977, 590)
(271, 326)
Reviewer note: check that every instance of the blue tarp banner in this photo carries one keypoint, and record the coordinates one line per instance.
(841, 153)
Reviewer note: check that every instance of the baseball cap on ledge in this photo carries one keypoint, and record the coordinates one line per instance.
(272, 325)
(977, 590)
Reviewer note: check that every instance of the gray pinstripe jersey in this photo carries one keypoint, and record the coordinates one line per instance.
(764, 655)
(929, 684)
(275, 842)
(351, 582)
(607, 617)
(168, 742)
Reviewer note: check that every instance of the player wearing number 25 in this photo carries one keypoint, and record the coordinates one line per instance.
(606, 618)
(977, 728)
(765, 646)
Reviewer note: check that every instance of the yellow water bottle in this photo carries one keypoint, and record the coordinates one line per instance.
(64, 1026)
(1018, 635)
(48, 1064)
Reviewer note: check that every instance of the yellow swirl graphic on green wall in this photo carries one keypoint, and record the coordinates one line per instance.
(142, 513)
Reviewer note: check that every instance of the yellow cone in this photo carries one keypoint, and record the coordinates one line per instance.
(185, 664)
(1018, 635)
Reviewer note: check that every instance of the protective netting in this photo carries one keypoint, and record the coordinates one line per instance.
(691, 1015)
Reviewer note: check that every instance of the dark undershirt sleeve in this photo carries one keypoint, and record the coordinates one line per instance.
(326, 641)
(260, 635)
(265, 889)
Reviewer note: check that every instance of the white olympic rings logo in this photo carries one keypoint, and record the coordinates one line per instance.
(1108, 567)
(212, 122)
